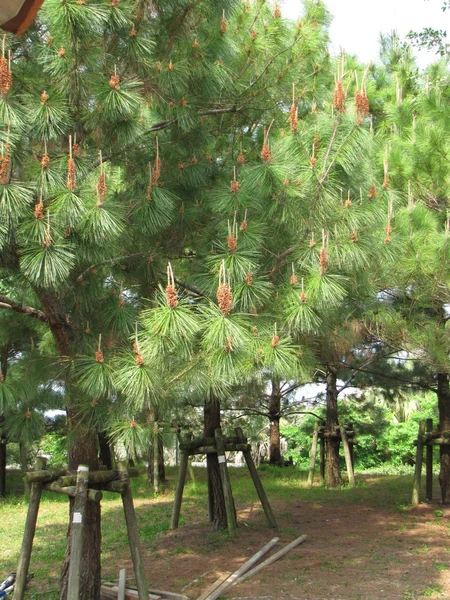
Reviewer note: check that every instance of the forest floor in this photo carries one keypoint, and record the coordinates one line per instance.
(363, 544)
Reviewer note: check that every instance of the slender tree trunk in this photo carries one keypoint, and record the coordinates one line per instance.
(84, 450)
(159, 445)
(333, 469)
(105, 450)
(2, 465)
(274, 416)
(218, 513)
(443, 393)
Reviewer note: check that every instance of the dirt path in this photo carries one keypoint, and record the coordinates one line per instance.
(362, 545)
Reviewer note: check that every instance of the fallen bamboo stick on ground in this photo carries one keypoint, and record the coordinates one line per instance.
(209, 590)
(243, 569)
(272, 559)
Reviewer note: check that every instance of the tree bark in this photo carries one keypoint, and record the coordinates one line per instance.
(2, 466)
(105, 450)
(218, 514)
(274, 416)
(443, 393)
(84, 450)
(332, 469)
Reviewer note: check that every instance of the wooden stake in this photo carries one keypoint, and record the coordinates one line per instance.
(312, 460)
(28, 534)
(133, 535)
(155, 458)
(418, 468)
(76, 550)
(348, 457)
(232, 580)
(179, 491)
(272, 559)
(122, 584)
(226, 486)
(210, 589)
(257, 481)
(429, 463)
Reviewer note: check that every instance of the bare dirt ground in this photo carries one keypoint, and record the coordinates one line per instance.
(362, 544)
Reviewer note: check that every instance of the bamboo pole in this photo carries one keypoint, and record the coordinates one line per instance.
(184, 459)
(312, 460)
(133, 535)
(28, 534)
(272, 559)
(226, 486)
(257, 482)
(418, 468)
(348, 457)
(76, 549)
(322, 460)
(429, 463)
(228, 583)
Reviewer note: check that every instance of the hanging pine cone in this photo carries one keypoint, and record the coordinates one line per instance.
(293, 120)
(170, 65)
(313, 161)
(235, 186)
(372, 192)
(28, 414)
(386, 182)
(243, 225)
(312, 243)
(265, 153)
(61, 52)
(171, 296)
(293, 279)
(303, 298)
(2, 379)
(339, 97)
(249, 279)
(5, 162)
(224, 298)
(232, 242)
(323, 260)
(114, 82)
(241, 158)
(39, 211)
(45, 161)
(277, 12)
(70, 174)
(275, 340)
(99, 356)
(348, 203)
(44, 97)
(133, 424)
(223, 25)
(132, 33)
(353, 237)
(101, 188)
(229, 344)
(5, 77)
(361, 106)
(138, 358)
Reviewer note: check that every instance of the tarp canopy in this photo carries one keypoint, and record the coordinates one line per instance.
(17, 15)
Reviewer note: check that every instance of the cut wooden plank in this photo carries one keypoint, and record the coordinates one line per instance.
(153, 593)
(111, 592)
(273, 558)
(228, 583)
(214, 586)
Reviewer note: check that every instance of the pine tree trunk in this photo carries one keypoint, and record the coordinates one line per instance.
(85, 451)
(443, 393)
(2, 467)
(332, 469)
(105, 450)
(160, 459)
(274, 416)
(218, 513)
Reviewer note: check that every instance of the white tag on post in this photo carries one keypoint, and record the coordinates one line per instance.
(222, 459)
(77, 517)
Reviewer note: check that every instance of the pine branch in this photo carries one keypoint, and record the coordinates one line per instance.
(10, 304)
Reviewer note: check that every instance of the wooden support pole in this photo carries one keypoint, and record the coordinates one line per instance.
(257, 482)
(312, 459)
(429, 463)
(155, 458)
(230, 581)
(179, 491)
(28, 534)
(348, 458)
(226, 486)
(133, 535)
(76, 549)
(122, 584)
(210, 499)
(418, 467)
(43, 475)
(94, 495)
(322, 460)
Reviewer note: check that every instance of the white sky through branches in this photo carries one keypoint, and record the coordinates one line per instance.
(357, 24)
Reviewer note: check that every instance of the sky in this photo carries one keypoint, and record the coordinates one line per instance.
(357, 24)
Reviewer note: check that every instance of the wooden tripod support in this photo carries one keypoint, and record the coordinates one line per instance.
(77, 486)
(219, 445)
(343, 433)
(427, 437)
